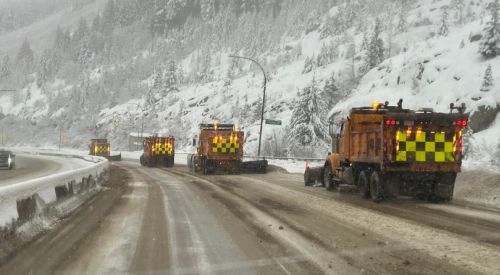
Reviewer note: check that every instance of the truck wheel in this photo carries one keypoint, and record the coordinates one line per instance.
(364, 184)
(327, 177)
(376, 186)
(141, 160)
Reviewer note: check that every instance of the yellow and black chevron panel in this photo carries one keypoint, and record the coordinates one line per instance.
(101, 149)
(222, 145)
(426, 147)
(162, 149)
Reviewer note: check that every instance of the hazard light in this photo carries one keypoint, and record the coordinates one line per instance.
(375, 105)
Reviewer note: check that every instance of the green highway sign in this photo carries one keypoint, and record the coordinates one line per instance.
(273, 122)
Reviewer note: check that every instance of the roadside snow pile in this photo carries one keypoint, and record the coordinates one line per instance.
(478, 187)
(21, 201)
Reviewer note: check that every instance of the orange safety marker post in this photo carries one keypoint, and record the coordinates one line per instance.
(307, 164)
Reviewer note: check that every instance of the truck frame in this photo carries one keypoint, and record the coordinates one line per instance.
(386, 151)
(158, 150)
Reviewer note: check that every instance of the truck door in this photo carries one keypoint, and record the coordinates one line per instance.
(344, 141)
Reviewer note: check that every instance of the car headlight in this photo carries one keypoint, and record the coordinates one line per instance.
(10, 160)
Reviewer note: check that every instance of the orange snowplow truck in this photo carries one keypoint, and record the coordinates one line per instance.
(158, 151)
(220, 148)
(386, 151)
(102, 148)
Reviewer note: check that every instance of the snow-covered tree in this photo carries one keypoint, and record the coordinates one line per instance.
(330, 91)
(84, 51)
(462, 44)
(402, 24)
(25, 57)
(444, 29)
(42, 68)
(487, 80)
(376, 52)
(415, 86)
(309, 64)
(108, 19)
(323, 57)
(172, 78)
(6, 70)
(489, 46)
(308, 122)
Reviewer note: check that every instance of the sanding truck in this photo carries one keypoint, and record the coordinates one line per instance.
(102, 148)
(385, 151)
(220, 148)
(158, 151)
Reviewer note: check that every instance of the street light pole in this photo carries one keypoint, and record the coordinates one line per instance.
(263, 98)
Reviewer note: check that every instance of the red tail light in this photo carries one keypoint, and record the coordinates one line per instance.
(459, 123)
(464, 123)
(393, 122)
(388, 122)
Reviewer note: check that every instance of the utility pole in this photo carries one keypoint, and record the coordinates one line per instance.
(263, 98)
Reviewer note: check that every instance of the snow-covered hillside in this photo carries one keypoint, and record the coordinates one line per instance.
(420, 64)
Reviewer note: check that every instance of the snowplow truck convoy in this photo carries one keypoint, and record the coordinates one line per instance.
(386, 151)
(158, 151)
(102, 148)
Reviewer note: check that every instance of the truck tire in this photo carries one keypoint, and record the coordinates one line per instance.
(327, 177)
(377, 186)
(141, 160)
(364, 184)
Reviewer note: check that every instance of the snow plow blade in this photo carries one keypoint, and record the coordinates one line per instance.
(115, 158)
(313, 175)
(258, 166)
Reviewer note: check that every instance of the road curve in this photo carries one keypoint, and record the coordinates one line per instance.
(28, 168)
(170, 221)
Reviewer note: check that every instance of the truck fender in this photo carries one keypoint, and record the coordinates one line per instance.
(334, 161)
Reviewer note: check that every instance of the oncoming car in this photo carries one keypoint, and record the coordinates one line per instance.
(7, 159)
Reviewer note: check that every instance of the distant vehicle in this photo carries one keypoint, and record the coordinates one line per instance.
(102, 148)
(386, 151)
(158, 151)
(7, 159)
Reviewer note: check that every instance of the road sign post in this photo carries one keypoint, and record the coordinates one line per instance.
(273, 122)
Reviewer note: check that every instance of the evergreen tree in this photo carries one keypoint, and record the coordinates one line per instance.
(330, 91)
(59, 41)
(489, 46)
(308, 118)
(108, 17)
(323, 57)
(443, 29)
(96, 23)
(82, 30)
(84, 51)
(172, 78)
(309, 64)
(6, 70)
(25, 57)
(42, 68)
(402, 24)
(257, 111)
(487, 80)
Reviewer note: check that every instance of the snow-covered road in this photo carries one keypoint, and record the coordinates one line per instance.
(30, 167)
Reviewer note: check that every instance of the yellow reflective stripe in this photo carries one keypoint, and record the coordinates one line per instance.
(430, 147)
(420, 156)
(401, 136)
(439, 157)
(411, 146)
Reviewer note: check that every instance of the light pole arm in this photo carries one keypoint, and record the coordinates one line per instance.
(263, 98)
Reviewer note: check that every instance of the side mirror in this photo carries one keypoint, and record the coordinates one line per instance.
(331, 129)
(194, 142)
